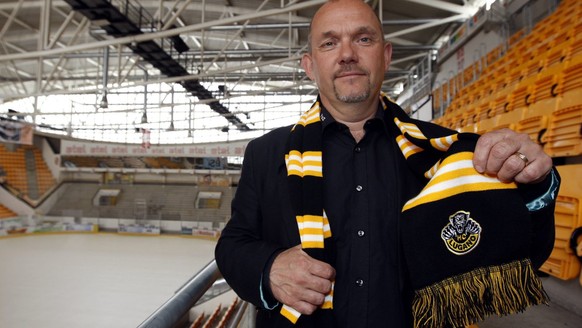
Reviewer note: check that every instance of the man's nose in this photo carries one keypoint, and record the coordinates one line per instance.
(348, 53)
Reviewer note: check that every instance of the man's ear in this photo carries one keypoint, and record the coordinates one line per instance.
(387, 55)
(306, 63)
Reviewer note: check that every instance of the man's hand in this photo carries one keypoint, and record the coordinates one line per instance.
(299, 280)
(498, 153)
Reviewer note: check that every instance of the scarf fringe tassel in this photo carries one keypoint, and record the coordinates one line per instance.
(470, 297)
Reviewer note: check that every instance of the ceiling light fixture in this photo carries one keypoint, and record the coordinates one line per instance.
(104, 103)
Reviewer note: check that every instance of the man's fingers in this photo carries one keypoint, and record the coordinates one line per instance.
(510, 168)
(493, 149)
(535, 171)
(321, 269)
(304, 307)
(296, 278)
(482, 150)
(511, 156)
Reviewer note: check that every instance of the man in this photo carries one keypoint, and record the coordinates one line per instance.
(366, 182)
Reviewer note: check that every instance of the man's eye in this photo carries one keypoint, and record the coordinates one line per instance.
(365, 39)
(328, 44)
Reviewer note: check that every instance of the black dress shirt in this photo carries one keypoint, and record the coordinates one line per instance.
(364, 186)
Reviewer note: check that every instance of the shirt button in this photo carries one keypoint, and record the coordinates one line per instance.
(358, 149)
(359, 282)
(361, 233)
(359, 188)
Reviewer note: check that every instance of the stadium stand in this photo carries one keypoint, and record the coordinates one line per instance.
(564, 136)
(213, 317)
(163, 202)
(521, 87)
(6, 212)
(26, 171)
(219, 318)
(81, 161)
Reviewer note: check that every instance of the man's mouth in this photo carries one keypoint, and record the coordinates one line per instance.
(349, 74)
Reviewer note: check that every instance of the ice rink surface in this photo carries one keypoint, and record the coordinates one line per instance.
(93, 280)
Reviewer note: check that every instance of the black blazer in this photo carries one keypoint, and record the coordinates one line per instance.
(262, 221)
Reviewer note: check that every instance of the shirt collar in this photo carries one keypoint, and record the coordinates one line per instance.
(327, 119)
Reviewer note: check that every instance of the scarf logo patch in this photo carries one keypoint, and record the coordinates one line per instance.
(462, 234)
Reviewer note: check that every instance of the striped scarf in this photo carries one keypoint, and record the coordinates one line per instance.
(305, 175)
(465, 236)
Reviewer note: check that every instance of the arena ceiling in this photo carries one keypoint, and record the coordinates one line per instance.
(213, 52)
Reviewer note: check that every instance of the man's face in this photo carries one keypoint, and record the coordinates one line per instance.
(348, 57)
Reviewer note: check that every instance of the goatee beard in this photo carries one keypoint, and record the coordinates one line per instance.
(352, 98)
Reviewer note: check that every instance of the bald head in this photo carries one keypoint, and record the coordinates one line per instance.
(333, 7)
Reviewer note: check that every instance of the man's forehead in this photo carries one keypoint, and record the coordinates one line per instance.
(327, 20)
(362, 29)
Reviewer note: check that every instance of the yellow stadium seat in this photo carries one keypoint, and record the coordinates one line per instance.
(493, 55)
(485, 123)
(472, 128)
(438, 120)
(564, 135)
(447, 122)
(469, 75)
(571, 86)
(534, 126)
(562, 263)
(511, 114)
(500, 104)
(576, 30)
(513, 40)
(459, 84)
(546, 91)
(547, 88)
(436, 98)
(575, 49)
(521, 97)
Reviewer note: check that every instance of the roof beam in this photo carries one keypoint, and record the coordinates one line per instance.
(162, 34)
(423, 26)
(442, 5)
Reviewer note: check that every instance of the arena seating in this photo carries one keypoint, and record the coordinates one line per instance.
(18, 176)
(524, 86)
(167, 202)
(82, 161)
(220, 318)
(6, 212)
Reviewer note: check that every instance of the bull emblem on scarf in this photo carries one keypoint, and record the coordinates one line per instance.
(461, 235)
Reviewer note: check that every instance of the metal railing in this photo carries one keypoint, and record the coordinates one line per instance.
(173, 311)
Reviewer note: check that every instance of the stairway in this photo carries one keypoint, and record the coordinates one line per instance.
(31, 176)
(129, 19)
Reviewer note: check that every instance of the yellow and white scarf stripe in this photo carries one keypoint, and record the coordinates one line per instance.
(293, 315)
(303, 164)
(406, 147)
(443, 143)
(313, 229)
(409, 128)
(311, 116)
(456, 175)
